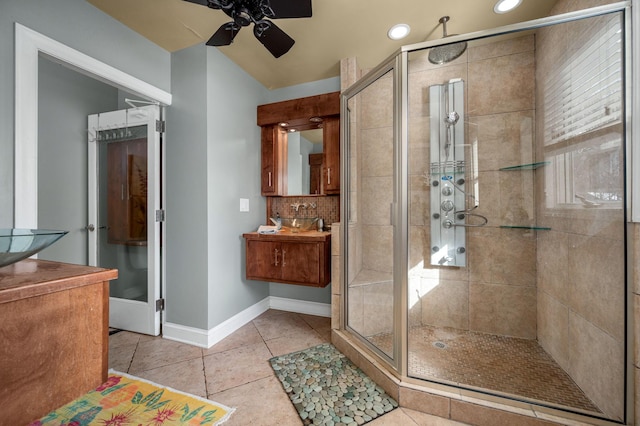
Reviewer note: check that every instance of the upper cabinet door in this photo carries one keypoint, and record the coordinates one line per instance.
(331, 145)
(274, 164)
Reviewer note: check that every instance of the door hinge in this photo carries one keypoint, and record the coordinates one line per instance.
(159, 305)
(160, 215)
(161, 126)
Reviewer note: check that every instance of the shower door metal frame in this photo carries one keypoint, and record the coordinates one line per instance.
(397, 65)
(400, 211)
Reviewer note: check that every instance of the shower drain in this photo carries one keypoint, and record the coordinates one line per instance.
(439, 345)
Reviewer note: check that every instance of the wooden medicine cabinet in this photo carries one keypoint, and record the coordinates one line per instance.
(280, 120)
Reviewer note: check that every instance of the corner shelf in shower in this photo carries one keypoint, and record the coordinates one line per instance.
(533, 228)
(530, 166)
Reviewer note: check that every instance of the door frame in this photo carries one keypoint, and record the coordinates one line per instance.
(29, 46)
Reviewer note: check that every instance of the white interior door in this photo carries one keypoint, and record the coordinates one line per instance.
(124, 201)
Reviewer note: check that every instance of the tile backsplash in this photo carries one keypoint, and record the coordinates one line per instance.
(327, 207)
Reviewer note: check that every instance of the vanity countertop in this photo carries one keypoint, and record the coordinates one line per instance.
(288, 235)
(32, 277)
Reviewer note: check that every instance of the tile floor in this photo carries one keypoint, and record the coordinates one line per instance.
(510, 365)
(236, 371)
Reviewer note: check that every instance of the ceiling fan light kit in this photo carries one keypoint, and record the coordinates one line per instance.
(256, 12)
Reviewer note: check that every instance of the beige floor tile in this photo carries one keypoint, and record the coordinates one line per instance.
(123, 338)
(120, 357)
(245, 335)
(287, 324)
(316, 322)
(288, 344)
(395, 417)
(160, 352)
(237, 367)
(185, 376)
(259, 403)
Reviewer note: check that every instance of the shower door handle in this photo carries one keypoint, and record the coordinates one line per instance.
(90, 227)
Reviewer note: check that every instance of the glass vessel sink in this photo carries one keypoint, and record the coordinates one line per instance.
(17, 244)
(298, 224)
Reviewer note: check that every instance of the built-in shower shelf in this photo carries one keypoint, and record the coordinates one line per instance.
(530, 166)
(533, 228)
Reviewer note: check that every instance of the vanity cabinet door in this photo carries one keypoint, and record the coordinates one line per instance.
(274, 161)
(331, 146)
(301, 263)
(264, 260)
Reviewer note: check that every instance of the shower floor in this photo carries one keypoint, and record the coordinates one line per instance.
(504, 364)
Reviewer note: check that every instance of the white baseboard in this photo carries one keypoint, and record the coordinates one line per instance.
(207, 338)
(300, 306)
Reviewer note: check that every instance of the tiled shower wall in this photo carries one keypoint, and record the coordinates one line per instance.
(495, 293)
(581, 268)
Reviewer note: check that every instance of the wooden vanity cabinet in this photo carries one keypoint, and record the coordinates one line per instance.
(331, 146)
(302, 259)
(274, 161)
(54, 333)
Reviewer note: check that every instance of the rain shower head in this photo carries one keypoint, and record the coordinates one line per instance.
(442, 54)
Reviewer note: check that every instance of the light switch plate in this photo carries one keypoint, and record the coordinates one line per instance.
(244, 204)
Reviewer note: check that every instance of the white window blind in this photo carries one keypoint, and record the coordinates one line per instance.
(583, 92)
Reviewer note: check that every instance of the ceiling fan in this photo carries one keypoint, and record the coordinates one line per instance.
(245, 12)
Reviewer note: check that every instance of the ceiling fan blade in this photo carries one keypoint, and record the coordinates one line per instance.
(214, 4)
(288, 8)
(225, 34)
(202, 2)
(272, 37)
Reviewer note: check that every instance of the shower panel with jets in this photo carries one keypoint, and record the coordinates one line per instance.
(520, 296)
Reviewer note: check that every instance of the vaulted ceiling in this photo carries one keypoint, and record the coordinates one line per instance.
(338, 29)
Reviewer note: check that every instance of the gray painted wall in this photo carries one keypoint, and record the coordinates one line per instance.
(234, 172)
(187, 216)
(65, 96)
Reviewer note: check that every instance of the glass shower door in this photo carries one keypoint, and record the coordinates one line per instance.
(370, 200)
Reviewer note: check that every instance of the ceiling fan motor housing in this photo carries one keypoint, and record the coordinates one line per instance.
(245, 12)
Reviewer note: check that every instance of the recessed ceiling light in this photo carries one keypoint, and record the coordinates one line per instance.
(504, 6)
(398, 31)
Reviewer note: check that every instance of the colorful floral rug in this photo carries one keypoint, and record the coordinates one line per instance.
(127, 400)
(326, 388)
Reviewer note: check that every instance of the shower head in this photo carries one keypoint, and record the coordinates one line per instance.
(442, 54)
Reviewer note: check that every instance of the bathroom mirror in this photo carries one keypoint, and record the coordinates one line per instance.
(304, 162)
